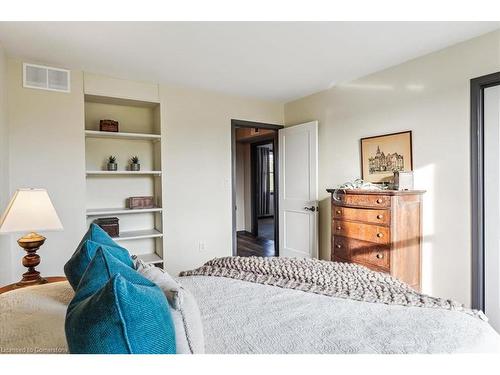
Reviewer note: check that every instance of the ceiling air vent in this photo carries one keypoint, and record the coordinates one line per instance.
(46, 78)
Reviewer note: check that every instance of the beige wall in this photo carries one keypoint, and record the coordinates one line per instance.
(198, 170)
(248, 188)
(47, 151)
(430, 96)
(97, 84)
(5, 253)
(243, 187)
(240, 185)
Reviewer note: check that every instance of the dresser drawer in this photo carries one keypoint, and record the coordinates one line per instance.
(367, 215)
(367, 200)
(371, 266)
(364, 232)
(340, 247)
(362, 252)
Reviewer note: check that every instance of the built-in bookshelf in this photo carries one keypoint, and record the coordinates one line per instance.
(141, 230)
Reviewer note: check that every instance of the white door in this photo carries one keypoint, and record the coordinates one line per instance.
(298, 190)
(492, 204)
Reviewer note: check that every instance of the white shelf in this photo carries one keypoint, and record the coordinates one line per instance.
(151, 258)
(140, 134)
(119, 211)
(121, 135)
(123, 173)
(138, 234)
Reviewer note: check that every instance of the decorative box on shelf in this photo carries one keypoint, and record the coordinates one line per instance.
(140, 202)
(109, 225)
(108, 126)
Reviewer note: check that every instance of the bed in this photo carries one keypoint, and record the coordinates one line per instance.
(246, 317)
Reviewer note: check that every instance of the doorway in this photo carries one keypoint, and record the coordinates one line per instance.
(485, 173)
(255, 188)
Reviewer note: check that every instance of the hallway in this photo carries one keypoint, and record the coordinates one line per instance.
(248, 245)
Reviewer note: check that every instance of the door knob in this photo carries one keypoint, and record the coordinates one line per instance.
(312, 208)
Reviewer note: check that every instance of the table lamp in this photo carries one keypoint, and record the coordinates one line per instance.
(30, 210)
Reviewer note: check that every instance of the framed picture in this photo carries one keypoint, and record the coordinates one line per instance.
(383, 154)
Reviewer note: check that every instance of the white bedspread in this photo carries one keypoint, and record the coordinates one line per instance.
(243, 317)
(32, 319)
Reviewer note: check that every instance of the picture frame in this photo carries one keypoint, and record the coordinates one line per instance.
(381, 155)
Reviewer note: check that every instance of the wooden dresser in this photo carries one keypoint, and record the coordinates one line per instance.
(381, 230)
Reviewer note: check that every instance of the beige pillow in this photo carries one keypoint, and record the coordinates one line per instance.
(185, 312)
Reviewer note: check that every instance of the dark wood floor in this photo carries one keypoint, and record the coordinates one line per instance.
(248, 245)
(266, 228)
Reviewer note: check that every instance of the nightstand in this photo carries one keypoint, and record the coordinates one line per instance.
(52, 279)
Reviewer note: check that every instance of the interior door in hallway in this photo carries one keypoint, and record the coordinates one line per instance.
(298, 194)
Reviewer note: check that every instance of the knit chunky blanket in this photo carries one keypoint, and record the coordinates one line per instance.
(334, 279)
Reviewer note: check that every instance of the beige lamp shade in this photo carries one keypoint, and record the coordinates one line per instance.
(30, 210)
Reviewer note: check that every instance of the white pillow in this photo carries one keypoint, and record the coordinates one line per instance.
(188, 326)
(170, 287)
(185, 312)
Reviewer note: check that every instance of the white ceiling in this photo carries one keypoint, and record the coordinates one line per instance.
(269, 60)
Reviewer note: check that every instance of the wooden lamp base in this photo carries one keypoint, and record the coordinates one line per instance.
(31, 243)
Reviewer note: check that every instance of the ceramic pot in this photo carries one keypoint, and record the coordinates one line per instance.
(112, 166)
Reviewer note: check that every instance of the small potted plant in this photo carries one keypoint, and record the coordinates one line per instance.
(112, 166)
(134, 164)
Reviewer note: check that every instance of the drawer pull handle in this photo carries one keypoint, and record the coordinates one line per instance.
(380, 256)
(339, 246)
(339, 227)
(380, 216)
(379, 200)
(339, 212)
(380, 235)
